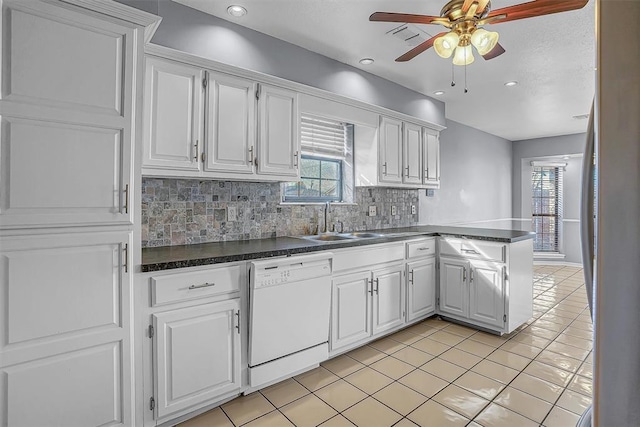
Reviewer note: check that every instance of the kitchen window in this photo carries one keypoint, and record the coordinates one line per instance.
(326, 164)
(546, 206)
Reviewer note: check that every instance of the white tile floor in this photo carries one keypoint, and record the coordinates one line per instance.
(440, 374)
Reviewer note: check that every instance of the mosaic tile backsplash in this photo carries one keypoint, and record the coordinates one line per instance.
(187, 211)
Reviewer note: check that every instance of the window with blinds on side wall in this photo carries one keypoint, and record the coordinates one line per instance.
(546, 207)
(326, 147)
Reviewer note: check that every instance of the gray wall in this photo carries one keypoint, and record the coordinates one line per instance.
(552, 148)
(201, 34)
(475, 178)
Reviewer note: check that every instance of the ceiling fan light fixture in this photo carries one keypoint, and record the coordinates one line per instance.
(445, 45)
(463, 55)
(484, 40)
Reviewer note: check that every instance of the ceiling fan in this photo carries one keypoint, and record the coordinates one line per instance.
(464, 19)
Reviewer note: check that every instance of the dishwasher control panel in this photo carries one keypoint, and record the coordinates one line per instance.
(289, 270)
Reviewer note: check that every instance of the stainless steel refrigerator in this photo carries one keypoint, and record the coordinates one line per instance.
(611, 231)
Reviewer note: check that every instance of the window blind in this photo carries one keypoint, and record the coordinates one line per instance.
(323, 137)
(546, 207)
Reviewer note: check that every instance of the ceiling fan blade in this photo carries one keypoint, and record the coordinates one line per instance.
(466, 5)
(482, 5)
(536, 8)
(491, 20)
(419, 49)
(496, 51)
(407, 18)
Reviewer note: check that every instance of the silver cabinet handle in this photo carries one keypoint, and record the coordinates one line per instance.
(424, 248)
(251, 154)
(204, 285)
(464, 274)
(471, 275)
(470, 251)
(238, 316)
(126, 257)
(377, 286)
(407, 168)
(295, 159)
(196, 146)
(384, 165)
(126, 198)
(370, 283)
(411, 279)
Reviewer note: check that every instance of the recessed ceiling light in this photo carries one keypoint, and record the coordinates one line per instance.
(438, 92)
(236, 10)
(367, 61)
(511, 83)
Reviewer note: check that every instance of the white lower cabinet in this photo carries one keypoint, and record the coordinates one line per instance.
(351, 309)
(487, 284)
(421, 288)
(388, 299)
(365, 304)
(196, 355)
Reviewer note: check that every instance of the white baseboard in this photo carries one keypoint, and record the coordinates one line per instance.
(551, 262)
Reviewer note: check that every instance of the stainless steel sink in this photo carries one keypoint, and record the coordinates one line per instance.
(327, 237)
(363, 234)
(342, 236)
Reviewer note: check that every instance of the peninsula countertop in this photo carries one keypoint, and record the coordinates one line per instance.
(170, 257)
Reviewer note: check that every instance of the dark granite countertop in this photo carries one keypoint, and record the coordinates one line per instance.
(170, 257)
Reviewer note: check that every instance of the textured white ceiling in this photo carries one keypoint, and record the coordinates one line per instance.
(552, 57)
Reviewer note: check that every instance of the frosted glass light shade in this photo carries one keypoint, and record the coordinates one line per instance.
(484, 40)
(445, 45)
(463, 56)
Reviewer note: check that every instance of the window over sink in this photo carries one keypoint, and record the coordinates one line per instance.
(326, 166)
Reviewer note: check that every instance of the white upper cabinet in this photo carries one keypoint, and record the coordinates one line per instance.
(279, 140)
(67, 114)
(390, 146)
(412, 154)
(431, 160)
(173, 115)
(230, 145)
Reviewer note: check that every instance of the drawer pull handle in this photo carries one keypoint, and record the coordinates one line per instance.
(470, 251)
(423, 249)
(204, 285)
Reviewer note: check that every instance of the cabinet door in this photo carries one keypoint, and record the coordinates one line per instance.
(230, 124)
(388, 299)
(279, 139)
(65, 340)
(196, 355)
(390, 146)
(172, 115)
(421, 285)
(412, 157)
(431, 160)
(486, 293)
(454, 293)
(350, 309)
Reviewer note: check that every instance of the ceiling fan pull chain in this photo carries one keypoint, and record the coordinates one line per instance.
(465, 73)
(453, 80)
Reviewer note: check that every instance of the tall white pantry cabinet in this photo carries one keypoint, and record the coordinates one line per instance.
(68, 188)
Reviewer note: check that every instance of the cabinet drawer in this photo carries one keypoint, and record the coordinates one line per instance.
(474, 249)
(177, 287)
(421, 248)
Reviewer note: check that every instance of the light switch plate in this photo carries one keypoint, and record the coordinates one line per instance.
(413, 209)
(232, 213)
(373, 211)
(393, 211)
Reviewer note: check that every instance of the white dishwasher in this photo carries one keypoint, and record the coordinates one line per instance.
(290, 304)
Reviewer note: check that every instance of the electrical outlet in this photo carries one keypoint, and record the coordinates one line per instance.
(393, 211)
(373, 211)
(413, 209)
(232, 213)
